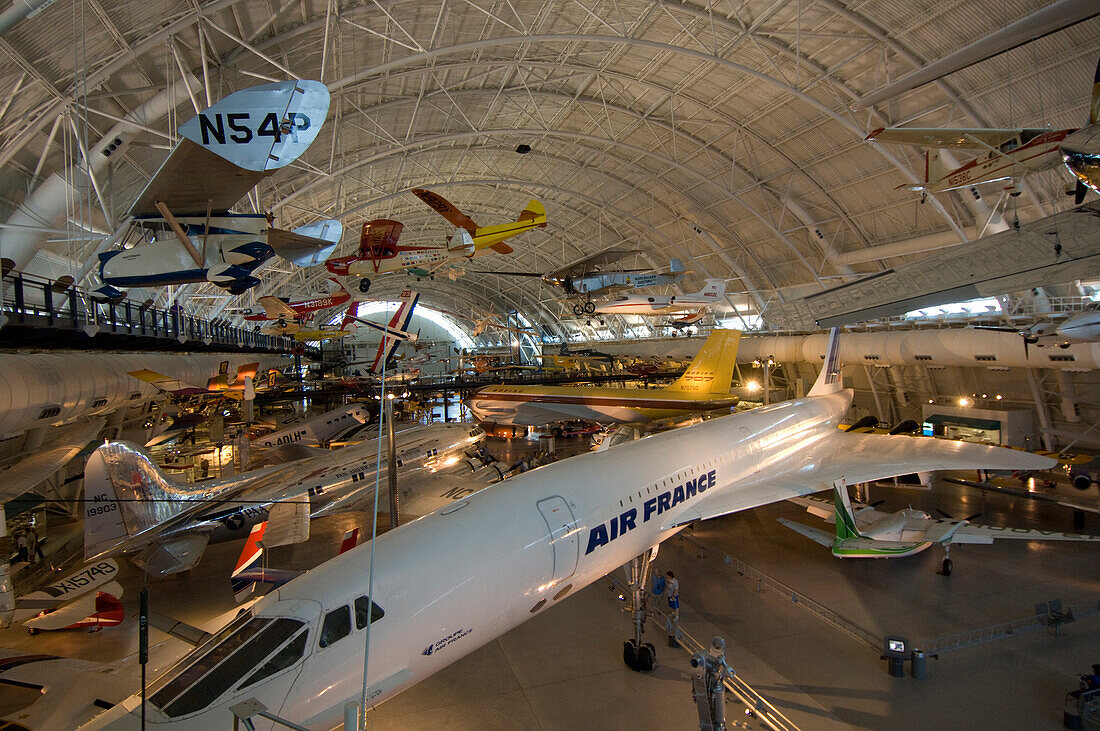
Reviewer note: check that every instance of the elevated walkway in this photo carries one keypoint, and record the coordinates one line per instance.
(42, 314)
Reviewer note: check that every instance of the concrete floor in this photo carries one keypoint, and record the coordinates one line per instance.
(563, 668)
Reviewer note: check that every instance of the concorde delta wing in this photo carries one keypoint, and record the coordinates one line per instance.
(227, 149)
(1054, 250)
(853, 458)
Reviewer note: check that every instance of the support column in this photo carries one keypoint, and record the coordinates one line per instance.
(1046, 427)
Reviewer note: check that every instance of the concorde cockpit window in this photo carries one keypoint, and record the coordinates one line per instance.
(337, 625)
(361, 605)
(221, 668)
(286, 657)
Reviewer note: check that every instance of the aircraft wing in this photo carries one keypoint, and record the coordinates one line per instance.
(275, 308)
(214, 166)
(167, 384)
(819, 536)
(445, 208)
(948, 138)
(975, 533)
(1061, 248)
(862, 458)
(64, 444)
(589, 263)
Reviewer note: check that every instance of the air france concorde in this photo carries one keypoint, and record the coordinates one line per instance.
(458, 578)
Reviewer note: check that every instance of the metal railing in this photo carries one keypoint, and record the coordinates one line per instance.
(33, 302)
(771, 716)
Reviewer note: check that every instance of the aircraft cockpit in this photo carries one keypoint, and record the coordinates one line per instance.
(146, 231)
(248, 650)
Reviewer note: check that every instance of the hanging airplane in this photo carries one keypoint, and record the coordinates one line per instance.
(1005, 154)
(242, 387)
(379, 252)
(705, 386)
(132, 508)
(691, 307)
(180, 229)
(453, 581)
(864, 532)
(285, 312)
(587, 277)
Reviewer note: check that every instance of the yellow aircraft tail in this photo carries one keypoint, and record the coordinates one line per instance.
(711, 371)
(491, 237)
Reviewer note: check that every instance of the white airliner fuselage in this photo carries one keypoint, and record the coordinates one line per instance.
(458, 578)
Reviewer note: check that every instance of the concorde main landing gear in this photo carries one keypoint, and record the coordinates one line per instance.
(639, 656)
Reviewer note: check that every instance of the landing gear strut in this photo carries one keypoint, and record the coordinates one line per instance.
(639, 656)
(947, 565)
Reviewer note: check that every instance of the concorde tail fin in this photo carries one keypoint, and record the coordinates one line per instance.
(712, 368)
(828, 381)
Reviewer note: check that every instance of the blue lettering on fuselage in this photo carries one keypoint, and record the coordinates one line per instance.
(619, 525)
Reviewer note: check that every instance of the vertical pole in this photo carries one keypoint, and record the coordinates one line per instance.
(391, 466)
(7, 590)
(446, 399)
(143, 644)
(1046, 428)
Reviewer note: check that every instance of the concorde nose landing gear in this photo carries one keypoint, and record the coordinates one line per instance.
(639, 656)
(947, 566)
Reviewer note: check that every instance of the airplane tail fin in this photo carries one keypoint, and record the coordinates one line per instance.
(828, 380)
(713, 290)
(845, 518)
(534, 211)
(400, 321)
(1094, 110)
(350, 315)
(125, 494)
(711, 371)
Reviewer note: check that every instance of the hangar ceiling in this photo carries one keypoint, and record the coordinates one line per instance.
(719, 133)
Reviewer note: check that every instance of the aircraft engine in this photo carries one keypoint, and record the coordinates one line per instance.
(1080, 479)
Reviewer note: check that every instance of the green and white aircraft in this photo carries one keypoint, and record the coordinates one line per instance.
(864, 532)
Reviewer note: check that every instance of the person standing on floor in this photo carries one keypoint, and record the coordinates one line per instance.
(672, 588)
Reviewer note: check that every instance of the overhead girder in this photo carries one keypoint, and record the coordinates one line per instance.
(190, 18)
(595, 139)
(778, 198)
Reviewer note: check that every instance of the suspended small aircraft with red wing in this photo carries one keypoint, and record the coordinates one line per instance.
(380, 253)
(1005, 154)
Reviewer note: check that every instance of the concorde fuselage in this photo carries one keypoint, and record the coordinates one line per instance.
(458, 578)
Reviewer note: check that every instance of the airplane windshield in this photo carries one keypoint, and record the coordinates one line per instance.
(227, 662)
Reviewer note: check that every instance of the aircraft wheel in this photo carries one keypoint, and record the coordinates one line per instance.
(364, 285)
(647, 658)
(32, 631)
(578, 310)
(947, 567)
(630, 654)
(589, 307)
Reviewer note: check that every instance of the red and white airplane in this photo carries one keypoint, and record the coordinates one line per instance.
(283, 310)
(1004, 154)
(380, 253)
